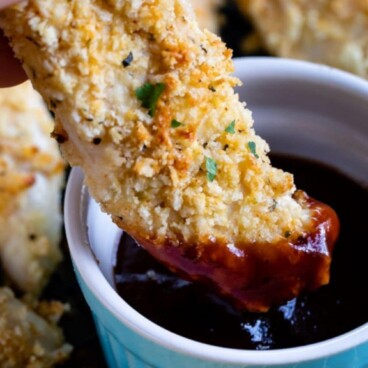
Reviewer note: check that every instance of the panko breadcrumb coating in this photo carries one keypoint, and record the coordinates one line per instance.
(333, 32)
(207, 14)
(145, 104)
(31, 177)
(26, 339)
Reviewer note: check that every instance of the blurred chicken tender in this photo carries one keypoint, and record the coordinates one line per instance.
(333, 32)
(26, 339)
(31, 177)
(144, 103)
(207, 14)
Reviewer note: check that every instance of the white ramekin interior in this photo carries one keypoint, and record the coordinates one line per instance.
(300, 108)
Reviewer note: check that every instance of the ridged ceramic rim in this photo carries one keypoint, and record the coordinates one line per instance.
(85, 262)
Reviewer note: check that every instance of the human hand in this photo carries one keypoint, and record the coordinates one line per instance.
(11, 72)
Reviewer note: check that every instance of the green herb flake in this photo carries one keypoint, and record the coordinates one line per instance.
(231, 128)
(253, 148)
(175, 124)
(211, 167)
(149, 95)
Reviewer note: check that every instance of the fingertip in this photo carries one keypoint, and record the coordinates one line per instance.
(11, 71)
(6, 3)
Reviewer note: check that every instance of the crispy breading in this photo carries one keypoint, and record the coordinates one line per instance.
(26, 339)
(77, 67)
(333, 32)
(207, 14)
(31, 177)
(145, 104)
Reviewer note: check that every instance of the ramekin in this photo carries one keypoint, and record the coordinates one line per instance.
(299, 108)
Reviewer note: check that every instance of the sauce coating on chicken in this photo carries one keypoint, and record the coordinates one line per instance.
(257, 276)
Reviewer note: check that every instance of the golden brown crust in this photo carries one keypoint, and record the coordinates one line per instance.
(77, 66)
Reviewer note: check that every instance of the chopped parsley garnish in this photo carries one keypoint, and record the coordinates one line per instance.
(231, 128)
(253, 148)
(149, 94)
(175, 124)
(128, 60)
(211, 167)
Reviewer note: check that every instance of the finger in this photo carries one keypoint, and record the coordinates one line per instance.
(5, 3)
(11, 71)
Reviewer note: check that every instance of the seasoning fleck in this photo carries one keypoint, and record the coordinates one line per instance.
(55, 102)
(204, 49)
(273, 206)
(60, 138)
(128, 60)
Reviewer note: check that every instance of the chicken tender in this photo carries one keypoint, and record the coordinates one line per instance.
(31, 177)
(26, 339)
(145, 104)
(207, 14)
(333, 32)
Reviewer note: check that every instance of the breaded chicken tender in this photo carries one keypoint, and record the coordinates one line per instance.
(145, 104)
(333, 32)
(26, 339)
(31, 177)
(207, 14)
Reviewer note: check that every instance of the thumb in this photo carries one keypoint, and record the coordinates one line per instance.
(5, 3)
(11, 72)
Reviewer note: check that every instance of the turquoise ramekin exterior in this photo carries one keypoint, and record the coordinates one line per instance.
(124, 348)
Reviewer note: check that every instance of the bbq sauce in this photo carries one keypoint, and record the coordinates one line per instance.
(195, 312)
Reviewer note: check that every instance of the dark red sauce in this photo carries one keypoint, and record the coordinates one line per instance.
(193, 311)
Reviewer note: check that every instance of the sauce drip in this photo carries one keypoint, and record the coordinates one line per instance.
(193, 311)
